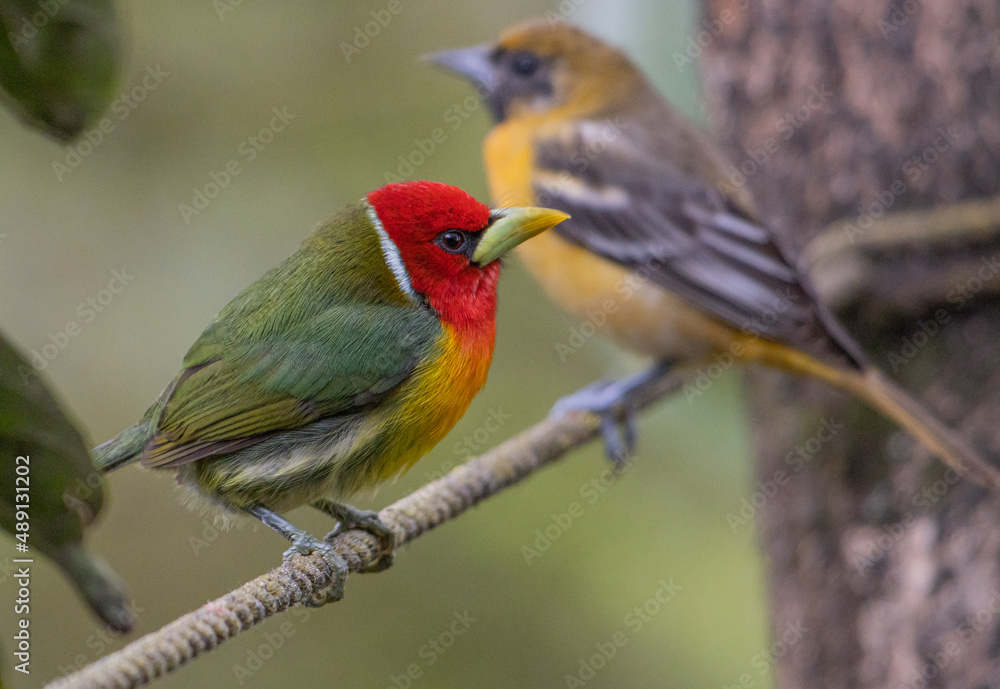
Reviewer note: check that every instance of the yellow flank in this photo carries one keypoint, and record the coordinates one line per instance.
(435, 398)
(751, 348)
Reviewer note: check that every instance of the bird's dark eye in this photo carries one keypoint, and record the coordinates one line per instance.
(524, 63)
(452, 241)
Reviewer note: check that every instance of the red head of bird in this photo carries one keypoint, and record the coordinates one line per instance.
(448, 245)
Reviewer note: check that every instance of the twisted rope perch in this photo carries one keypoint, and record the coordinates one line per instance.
(302, 578)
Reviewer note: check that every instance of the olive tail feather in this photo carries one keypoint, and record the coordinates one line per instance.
(123, 448)
(129, 444)
(899, 406)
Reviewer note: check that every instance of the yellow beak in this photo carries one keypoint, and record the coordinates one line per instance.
(511, 227)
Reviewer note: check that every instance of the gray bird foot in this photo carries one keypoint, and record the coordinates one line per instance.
(611, 401)
(349, 517)
(306, 544)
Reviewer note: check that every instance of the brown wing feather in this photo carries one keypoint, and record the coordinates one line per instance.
(630, 206)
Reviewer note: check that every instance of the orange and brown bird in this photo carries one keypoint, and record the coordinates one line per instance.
(690, 268)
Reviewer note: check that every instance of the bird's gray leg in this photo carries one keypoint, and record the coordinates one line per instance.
(304, 544)
(610, 399)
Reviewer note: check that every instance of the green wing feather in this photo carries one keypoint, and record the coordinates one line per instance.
(231, 394)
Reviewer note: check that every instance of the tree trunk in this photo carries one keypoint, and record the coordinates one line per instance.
(850, 110)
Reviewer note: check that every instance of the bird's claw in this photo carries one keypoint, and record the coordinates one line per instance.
(608, 400)
(306, 544)
(349, 517)
(619, 443)
(613, 401)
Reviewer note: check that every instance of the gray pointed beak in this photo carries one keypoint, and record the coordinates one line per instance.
(471, 63)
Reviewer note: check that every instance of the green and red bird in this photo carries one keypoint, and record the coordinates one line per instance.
(341, 366)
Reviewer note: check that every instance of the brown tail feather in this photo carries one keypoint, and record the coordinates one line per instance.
(898, 405)
(888, 399)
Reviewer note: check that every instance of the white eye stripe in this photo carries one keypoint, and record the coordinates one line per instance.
(392, 258)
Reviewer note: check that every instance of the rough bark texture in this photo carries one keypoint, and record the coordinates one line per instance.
(837, 110)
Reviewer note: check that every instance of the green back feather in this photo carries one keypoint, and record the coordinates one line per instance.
(325, 331)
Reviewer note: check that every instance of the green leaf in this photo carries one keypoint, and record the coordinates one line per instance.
(59, 61)
(44, 457)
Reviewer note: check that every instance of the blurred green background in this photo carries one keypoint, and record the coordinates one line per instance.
(213, 74)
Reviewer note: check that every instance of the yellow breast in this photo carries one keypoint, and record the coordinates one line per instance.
(435, 398)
